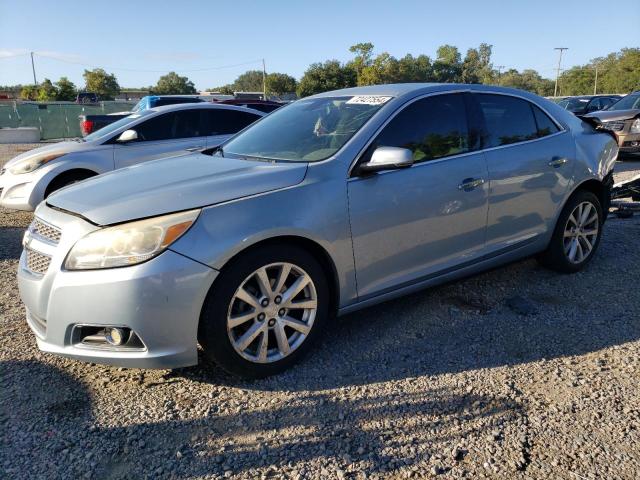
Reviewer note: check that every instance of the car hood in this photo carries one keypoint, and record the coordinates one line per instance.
(61, 147)
(612, 115)
(173, 184)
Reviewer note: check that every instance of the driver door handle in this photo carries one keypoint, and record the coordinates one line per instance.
(557, 162)
(469, 184)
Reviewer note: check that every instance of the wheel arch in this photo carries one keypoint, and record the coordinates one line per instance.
(66, 175)
(314, 248)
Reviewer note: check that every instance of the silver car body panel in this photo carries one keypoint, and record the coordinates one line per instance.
(385, 234)
(101, 155)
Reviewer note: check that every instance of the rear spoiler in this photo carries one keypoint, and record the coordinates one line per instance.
(597, 125)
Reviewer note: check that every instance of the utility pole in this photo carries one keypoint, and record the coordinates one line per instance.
(499, 67)
(33, 67)
(561, 49)
(264, 81)
(595, 83)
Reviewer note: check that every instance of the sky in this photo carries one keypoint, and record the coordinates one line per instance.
(212, 42)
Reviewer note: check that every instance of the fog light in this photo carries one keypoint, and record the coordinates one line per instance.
(116, 336)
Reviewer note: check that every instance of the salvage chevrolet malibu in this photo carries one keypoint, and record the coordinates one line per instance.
(330, 204)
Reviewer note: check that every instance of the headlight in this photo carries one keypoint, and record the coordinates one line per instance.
(30, 164)
(129, 243)
(635, 126)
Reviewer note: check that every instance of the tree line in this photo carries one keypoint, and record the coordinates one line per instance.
(618, 72)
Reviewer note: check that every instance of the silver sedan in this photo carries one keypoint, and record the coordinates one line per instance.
(330, 204)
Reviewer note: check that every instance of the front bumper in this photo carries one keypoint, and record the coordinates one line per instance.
(20, 192)
(629, 143)
(160, 300)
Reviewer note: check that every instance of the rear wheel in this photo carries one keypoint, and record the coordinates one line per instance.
(577, 234)
(265, 311)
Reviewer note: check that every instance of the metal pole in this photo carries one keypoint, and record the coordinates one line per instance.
(264, 81)
(562, 49)
(595, 83)
(33, 67)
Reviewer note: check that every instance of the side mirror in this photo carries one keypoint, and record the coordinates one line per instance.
(387, 158)
(127, 136)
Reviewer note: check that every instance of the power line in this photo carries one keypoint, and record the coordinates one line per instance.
(124, 69)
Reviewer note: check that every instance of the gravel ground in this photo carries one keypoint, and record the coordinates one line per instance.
(514, 373)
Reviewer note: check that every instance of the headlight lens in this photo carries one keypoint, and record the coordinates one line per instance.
(30, 164)
(129, 243)
(635, 126)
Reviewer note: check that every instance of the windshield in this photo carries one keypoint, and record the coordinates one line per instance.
(627, 103)
(139, 106)
(573, 104)
(112, 127)
(307, 130)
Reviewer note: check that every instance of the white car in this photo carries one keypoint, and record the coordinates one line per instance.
(159, 132)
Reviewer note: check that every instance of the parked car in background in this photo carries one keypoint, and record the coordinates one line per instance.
(251, 248)
(87, 97)
(588, 103)
(623, 118)
(91, 123)
(266, 106)
(147, 135)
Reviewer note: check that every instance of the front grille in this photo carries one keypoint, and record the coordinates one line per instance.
(616, 126)
(45, 231)
(37, 262)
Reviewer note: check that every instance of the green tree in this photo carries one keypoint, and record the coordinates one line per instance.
(47, 92)
(29, 92)
(66, 90)
(249, 81)
(174, 84)
(447, 67)
(618, 72)
(363, 58)
(102, 83)
(280, 84)
(476, 66)
(330, 75)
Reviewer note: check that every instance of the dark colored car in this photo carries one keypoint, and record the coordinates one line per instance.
(588, 103)
(266, 106)
(87, 97)
(91, 123)
(623, 118)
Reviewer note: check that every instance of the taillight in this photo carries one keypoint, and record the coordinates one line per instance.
(86, 126)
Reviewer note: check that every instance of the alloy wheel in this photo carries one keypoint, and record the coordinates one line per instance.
(272, 312)
(581, 232)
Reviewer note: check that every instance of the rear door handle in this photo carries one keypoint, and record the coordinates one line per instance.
(557, 162)
(469, 184)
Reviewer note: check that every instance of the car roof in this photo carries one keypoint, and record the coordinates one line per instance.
(398, 90)
(206, 105)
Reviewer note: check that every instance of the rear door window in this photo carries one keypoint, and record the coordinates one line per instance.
(226, 121)
(545, 126)
(507, 120)
(434, 127)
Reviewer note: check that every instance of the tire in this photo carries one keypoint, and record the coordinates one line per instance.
(222, 341)
(558, 255)
(63, 180)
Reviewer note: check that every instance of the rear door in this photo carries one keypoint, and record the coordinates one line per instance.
(162, 136)
(530, 160)
(412, 223)
(225, 122)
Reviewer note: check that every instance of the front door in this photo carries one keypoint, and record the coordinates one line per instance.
(162, 136)
(412, 223)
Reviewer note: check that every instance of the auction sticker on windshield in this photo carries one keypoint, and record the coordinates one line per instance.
(369, 99)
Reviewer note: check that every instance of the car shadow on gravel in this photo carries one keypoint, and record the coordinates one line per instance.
(46, 414)
(10, 242)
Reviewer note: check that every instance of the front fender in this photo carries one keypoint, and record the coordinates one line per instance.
(315, 211)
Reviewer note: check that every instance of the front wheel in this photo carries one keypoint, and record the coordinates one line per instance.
(577, 234)
(265, 311)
